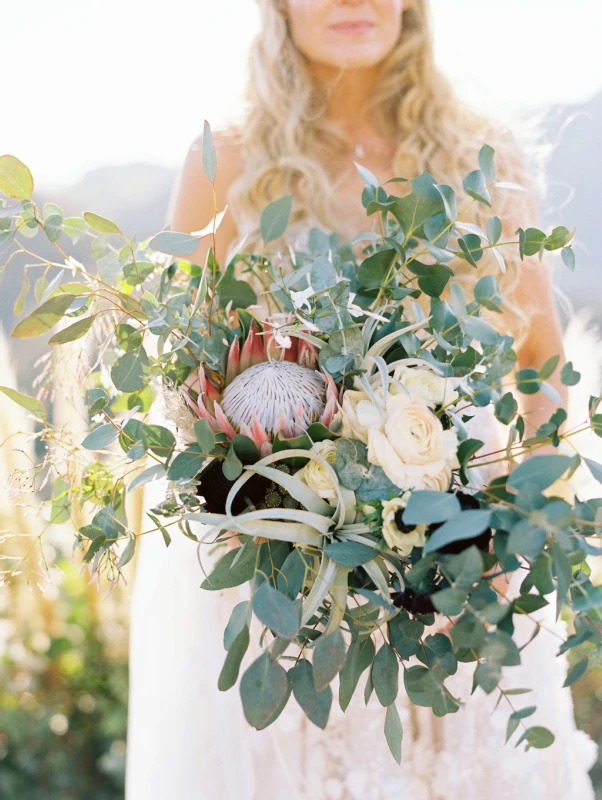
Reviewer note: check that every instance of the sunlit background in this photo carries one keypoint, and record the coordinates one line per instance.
(101, 99)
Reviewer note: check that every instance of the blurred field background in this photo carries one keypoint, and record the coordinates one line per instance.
(103, 116)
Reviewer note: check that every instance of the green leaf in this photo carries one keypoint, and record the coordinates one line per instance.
(316, 704)
(129, 373)
(53, 227)
(475, 186)
(263, 687)
(226, 574)
(494, 229)
(204, 436)
(238, 621)
(147, 476)
(94, 547)
(174, 244)
(16, 180)
(568, 376)
(359, 657)
(74, 331)
(527, 381)
(329, 658)
(100, 224)
(424, 202)
(128, 552)
(385, 675)
(405, 635)
(487, 162)
(577, 671)
(564, 574)
(29, 403)
(61, 502)
(506, 408)
(236, 652)
(449, 601)
(534, 239)
(428, 507)
(568, 256)
(393, 731)
(537, 737)
(187, 464)
(100, 437)
(158, 440)
(44, 317)
(232, 465)
(465, 525)
(209, 156)
(274, 219)
(365, 174)
(137, 272)
(559, 237)
(515, 718)
(540, 471)
(75, 228)
(350, 554)
(467, 252)
(466, 568)
(277, 611)
(291, 576)
(549, 367)
(487, 292)
(374, 269)
(594, 468)
(529, 603)
(480, 330)
(239, 293)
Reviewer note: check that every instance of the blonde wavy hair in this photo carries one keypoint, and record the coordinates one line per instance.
(286, 140)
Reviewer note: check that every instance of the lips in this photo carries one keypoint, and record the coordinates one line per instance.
(353, 26)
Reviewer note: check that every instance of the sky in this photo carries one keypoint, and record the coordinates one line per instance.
(95, 82)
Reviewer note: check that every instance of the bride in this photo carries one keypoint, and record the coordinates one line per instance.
(332, 82)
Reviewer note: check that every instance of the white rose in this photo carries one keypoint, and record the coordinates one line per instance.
(359, 414)
(394, 537)
(425, 383)
(412, 447)
(315, 474)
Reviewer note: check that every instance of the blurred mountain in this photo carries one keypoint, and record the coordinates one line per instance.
(135, 196)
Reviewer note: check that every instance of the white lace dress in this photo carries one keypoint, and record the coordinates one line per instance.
(188, 741)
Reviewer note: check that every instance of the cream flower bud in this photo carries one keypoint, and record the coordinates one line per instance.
(315, 474)
(403, 540)
(352, 427)
(425, 383)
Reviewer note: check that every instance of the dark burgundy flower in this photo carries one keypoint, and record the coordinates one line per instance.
(414, 602)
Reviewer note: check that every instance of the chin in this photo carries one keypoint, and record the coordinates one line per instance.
(358, 56)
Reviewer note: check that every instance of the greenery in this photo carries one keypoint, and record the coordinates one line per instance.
(362, 537)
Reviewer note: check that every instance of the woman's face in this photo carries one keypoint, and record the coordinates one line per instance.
(345, 33)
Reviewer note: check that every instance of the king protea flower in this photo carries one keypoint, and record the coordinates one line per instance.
(270, 386)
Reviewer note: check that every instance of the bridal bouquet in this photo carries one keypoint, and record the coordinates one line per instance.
(324, 442)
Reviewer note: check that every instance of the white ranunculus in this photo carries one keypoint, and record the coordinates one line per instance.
(359, 414)
(412, 447)
(315, 474)
(425, 383)
(394, 537)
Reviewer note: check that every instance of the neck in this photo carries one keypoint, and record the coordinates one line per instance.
(348, 93)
